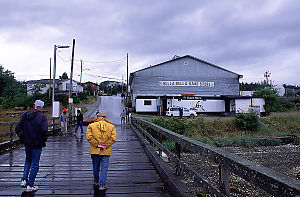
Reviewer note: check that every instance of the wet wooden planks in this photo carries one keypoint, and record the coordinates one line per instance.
(66, 169)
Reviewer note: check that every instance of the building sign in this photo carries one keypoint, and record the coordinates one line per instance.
(187, 83)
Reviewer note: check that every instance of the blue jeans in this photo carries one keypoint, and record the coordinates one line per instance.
(32, 160)
(97, 160)
(79, 124)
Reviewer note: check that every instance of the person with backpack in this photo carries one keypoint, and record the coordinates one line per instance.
(32, 130)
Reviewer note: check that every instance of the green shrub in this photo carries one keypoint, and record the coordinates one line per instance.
(7, 103)
(296, 141)
(24, 101)
(247, 121)
(223, 142)
(169, 144)
(82, 96)
(76, 99)
(152, 132)
(269, 142)
(244, 141)
(176, 125)
(62, 98)
(273, 102)
(205, 140)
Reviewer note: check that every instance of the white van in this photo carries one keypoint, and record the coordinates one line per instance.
(174, 111)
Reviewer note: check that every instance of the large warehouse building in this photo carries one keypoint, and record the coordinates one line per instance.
(186, 82)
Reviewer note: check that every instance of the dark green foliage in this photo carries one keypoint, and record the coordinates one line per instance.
(222, 142)
(109, 89)
(76, 100)
(13, 94)
(273, 102)
(175, 124)
(242, 141)
(62, 98)
(251, 86)
(169, 144)
(247, 121)
(82, 96)
(64, 76)
(296, 141)
(10, 88)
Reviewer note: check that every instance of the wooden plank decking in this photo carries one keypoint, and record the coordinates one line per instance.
(66, 169)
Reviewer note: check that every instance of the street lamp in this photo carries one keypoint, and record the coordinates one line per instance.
(54, 69)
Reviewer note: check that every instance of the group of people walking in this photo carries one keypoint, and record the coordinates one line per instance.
(64, 119)
(32, 130)
(125, 114)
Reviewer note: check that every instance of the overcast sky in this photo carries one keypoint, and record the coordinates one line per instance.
(248, 37)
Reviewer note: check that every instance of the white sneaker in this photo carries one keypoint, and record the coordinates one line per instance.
(102, 188)
(31, 189)
(23, 183)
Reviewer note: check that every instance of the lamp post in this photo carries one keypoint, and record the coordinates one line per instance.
(54, 70)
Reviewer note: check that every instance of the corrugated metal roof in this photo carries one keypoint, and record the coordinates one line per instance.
(177, 58)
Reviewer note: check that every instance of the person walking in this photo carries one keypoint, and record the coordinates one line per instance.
(123, 116)
(101, 135)
(32, 130)
(127, 114)
(79, 122)
(97, 112)
(64, 118)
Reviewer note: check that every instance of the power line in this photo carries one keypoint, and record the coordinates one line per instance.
(98, 76)
(63, 58)
(102, 62)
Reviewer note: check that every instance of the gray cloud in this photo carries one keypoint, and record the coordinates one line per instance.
(243, 36)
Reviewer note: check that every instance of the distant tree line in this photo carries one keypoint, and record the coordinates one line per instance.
(107, 88)
(14, 94)
(252, 86)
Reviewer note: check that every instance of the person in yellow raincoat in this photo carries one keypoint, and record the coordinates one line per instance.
(101, 135)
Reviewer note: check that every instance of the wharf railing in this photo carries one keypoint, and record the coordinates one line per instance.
(10, 139)
(268, 180)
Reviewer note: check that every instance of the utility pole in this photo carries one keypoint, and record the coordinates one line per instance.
(50, 81)
(127, 82)
(122, 85)
(54, 71)
(80, 71)
(71, 76)
(267, 75)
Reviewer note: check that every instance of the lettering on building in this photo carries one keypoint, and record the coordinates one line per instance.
(187, 83)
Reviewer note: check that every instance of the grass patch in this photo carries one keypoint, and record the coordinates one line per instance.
(227, 131)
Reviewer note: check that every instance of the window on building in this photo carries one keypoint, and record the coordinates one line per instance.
(147, 102)
(67, 86)
(175, 109)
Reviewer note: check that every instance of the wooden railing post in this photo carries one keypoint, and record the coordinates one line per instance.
(224, 176)
(160, 139)
(53, 124)
(178, 154)
(177, 150)
(11, 133)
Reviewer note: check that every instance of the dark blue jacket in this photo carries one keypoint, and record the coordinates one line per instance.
(35, 127)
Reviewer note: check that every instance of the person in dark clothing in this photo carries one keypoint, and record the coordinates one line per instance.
(79, 122)
(181, 112)
(32, 130)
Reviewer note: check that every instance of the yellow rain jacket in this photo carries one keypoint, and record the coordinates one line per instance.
(101, 131)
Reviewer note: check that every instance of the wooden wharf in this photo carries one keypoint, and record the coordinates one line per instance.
(66, 169)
